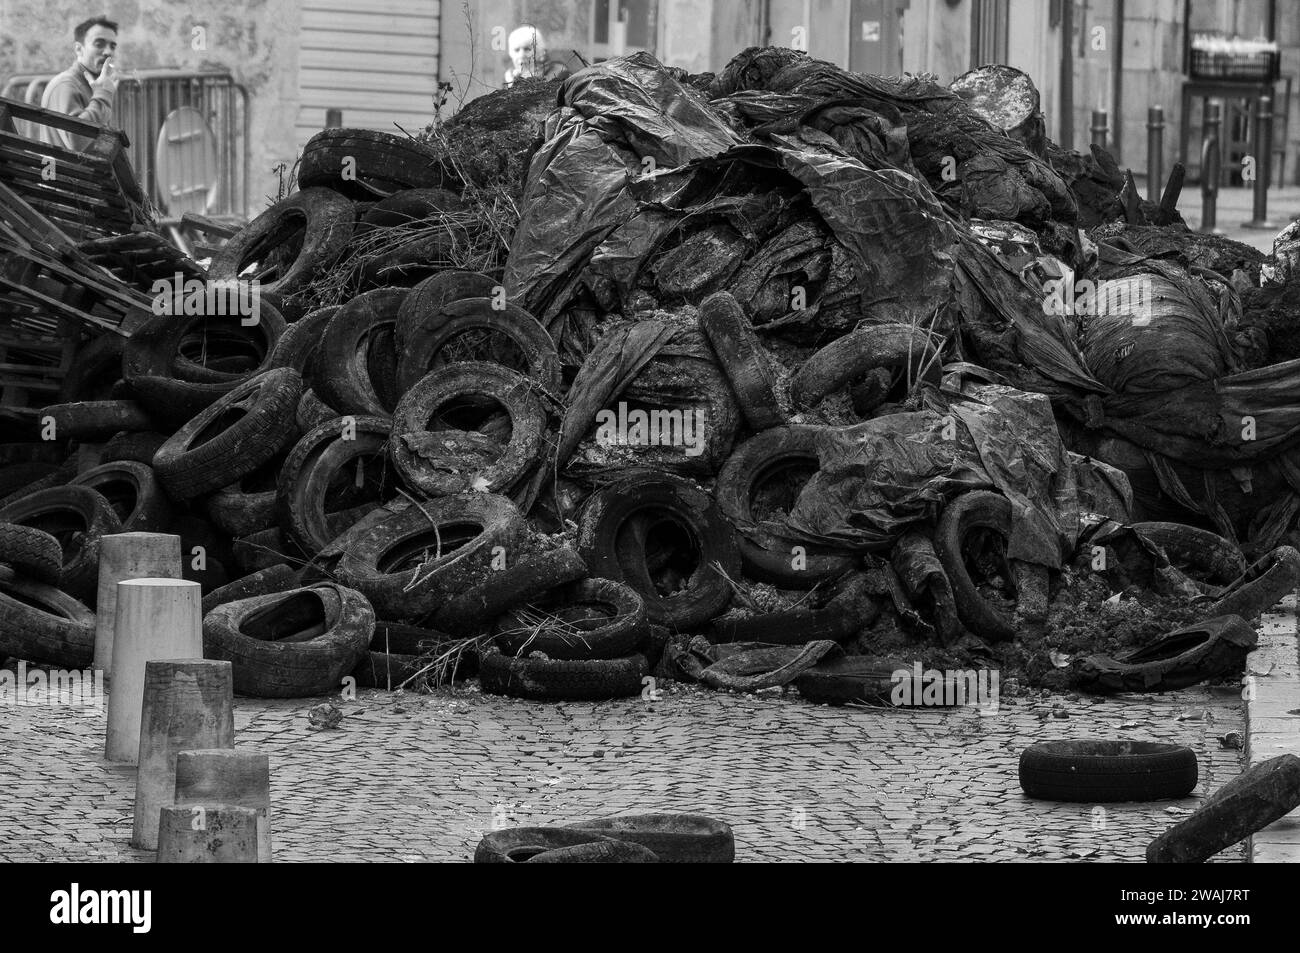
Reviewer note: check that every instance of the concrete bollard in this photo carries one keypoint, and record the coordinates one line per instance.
(207, 834)
(128, 556)
(228, 776)
(188, 704)
(156, 619)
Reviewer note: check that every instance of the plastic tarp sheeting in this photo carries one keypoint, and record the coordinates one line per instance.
(878, 478)
(614, 115)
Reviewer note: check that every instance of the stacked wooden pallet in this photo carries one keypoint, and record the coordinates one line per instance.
(52, 295)
(86, 194)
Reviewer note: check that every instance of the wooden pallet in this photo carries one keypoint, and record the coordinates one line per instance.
(91, 194)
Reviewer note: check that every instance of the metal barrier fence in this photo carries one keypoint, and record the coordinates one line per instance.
(189, 137)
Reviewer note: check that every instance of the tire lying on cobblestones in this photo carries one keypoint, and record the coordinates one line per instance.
(1092, 771)
(94, 420)
(558, 845)
(519, 583)
(674, 838)
(233, 437)
(450, 460)
(1213, 649)
(1219, 559)
(358, 338)
(782, 458)
(134, 493)
(399, 651)
(979, 510)
(318, 481)
(411, 562)
(77, 517)
(275, 578)
(745, 364)
(365, 164)
(555, 680)
(903, 350)
(325, 219)
(1263, 793)
(40, 623)
(853, 678)
(428, 333)
(591, 619)
(291, 644)
(1261, 586)
(647, 517)
(31, 552)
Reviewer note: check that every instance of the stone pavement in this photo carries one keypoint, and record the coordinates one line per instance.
(1235, 206)
(1273, 721)
(422, 777)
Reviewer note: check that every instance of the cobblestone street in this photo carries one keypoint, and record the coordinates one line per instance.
(416, 778)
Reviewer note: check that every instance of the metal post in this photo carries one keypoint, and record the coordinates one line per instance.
(1100, 123)
(1211, 163)
(1263, 164)
(1155, 151)
(333, 119)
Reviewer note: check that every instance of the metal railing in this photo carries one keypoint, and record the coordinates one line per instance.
(216, 178)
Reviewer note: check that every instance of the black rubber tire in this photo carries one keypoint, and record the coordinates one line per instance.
(673, 838)
(979, 509)
(791, 627)
(312, 465)
(239, 511)
(262, 639)
(383, 164)
(409, 207)
(509, 389)
(277, 578)
(43, 624)
(138, 447)
(396, 646)
(1262, 586)
(77, 517)
(12, 454)
(853, 678)
(312, 411)
(743, 360)
(194, 461)
(56, 478)
(221, 337)
(429, 297)
(1210, 552)
(429, 331)
(134, 493)
(174, 402)
(374, 560)
(612, 508)
(300, 342)
(260, 550)
(1096, 771)
(1211, 649)
(363, 324)
(95, 420)
(618, 632)
(557, 845)
(859, 352)
(766, 556)
(31, 552)
(1263, 793)
(547, 680)
(328, 219)
(516, 585)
